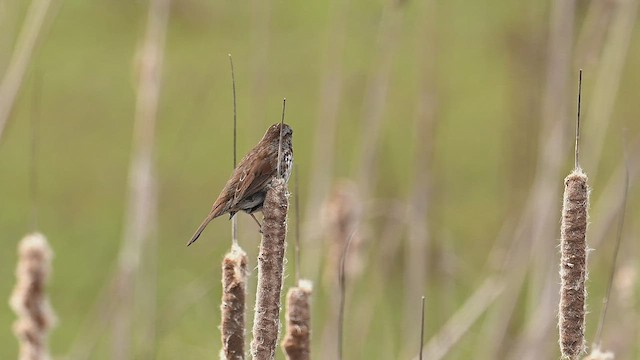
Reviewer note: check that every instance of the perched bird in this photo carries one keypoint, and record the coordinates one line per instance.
(247, 187)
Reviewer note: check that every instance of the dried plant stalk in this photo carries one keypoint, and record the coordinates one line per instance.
(21, 57)
(340, 214)
(29, 299)
(266, 324)
(598, 354)
(573, 265)
(296, 343)
(234, 285)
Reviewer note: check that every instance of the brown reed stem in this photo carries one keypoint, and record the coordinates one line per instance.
(234, 284)
(29, 299)
(297, 341)
(343, 292)
(612, 272)
(421, 328)
(297, 212)
(135, 278)
(21, 57)
(573, 265)
(234, 220)
(266, 324)
(284, 107)
(459, 324)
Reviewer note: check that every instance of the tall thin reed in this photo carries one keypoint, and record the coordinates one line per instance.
(29, 299)
(573, 260)
(297, 340)
(135, 278)
(234, 284)
(21, 57)
(266, 324)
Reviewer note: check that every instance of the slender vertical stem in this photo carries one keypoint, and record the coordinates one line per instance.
(234, 220)
(235, 111)
(21, 57)
(421, 329)
(284, 106)
(141, 213)
(33, 178)
(577, 150)
(605, 300)
(297, 210)
(343, 293)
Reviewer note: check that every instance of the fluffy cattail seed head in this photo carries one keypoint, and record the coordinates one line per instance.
(234, 284)
(266, 323)
(296, 343)
(573, 265)
(29, 299)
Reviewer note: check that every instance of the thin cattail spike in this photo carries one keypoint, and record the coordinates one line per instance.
(612, 271)
(343, 290)
(284, 106)
(421, 329)
(297, 210)
(577, 147)
(33, 178)
(235, 111)
(234, 220)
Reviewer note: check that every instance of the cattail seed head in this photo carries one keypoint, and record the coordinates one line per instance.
(29, 299)
(234, 284)
(599, 354)
(296, 343)
(341, 212)
(266, 323)
(573, 265)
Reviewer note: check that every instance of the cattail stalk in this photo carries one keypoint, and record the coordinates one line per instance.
(234, 284)
(297, 341)
(573, 265)
(266, 324)
(29, 299)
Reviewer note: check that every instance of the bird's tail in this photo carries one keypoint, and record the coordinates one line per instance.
(212, 215)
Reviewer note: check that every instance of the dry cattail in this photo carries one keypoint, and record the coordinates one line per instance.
(266, 323)
(573, 265)
(597, 354)
(296, 343)
(234, 284)
(340, 215)
(29, 299)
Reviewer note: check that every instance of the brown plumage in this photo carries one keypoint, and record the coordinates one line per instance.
(247, 187)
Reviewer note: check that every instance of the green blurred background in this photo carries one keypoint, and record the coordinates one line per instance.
(486, 65)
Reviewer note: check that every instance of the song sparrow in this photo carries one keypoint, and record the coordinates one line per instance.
(247, 187)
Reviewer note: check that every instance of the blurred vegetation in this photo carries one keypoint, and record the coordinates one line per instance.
(490, 63)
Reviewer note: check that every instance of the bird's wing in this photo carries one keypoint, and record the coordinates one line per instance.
(253, 179)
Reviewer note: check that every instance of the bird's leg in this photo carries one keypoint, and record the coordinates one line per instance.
(257, 222)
